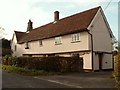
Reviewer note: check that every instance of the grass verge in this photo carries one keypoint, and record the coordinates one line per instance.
(25, 71)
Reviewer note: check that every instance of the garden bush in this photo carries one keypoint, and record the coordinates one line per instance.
(116, 73)
(54, 64)
(117, 65)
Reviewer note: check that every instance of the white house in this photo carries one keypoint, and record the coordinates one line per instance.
(86, 34)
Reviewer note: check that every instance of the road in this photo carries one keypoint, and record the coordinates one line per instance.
(71, 80)
(12, 80)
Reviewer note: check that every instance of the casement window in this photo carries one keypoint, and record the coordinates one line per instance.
(75, 37)
(40, 43)
(15, 47)
(58, 40)
(26, 45)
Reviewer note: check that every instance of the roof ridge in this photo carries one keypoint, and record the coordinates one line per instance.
(81, 12)
(68, 17)
(73, 23)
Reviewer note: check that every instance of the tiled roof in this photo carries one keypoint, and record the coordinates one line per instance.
(71, 24)
(19, 35)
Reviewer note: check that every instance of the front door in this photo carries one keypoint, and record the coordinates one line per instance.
(100, 56)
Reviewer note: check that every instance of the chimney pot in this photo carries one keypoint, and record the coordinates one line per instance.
(29, 27)
(56, 15)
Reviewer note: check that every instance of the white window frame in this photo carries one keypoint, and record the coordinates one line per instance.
(75, 37)
(58, 40)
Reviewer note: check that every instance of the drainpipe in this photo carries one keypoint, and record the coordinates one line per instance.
(91, 49)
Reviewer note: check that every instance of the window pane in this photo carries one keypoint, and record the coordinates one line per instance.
(73, 37)
(40, 42)
(58, 40)
(76, 37)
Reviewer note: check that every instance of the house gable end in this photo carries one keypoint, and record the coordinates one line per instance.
(105, 20)
(107, 24)
(14, 38)
(101, 33)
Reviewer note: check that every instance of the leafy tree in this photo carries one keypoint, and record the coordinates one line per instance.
(5, 43)
(6, 48)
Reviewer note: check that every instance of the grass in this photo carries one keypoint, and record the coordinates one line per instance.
(25, 71)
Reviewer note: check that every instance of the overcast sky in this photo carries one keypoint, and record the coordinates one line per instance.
(14, 14)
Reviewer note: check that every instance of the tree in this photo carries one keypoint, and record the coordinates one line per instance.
(6, 48)
(115, 44)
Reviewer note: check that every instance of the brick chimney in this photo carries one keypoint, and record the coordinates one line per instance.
(56, 16)
(29, 27)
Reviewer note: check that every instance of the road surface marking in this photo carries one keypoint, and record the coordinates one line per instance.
(53, 81)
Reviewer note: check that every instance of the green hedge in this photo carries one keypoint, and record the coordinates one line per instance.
(55, 64)
(23, 71)
(117, 66)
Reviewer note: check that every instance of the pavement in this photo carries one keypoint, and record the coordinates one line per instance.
(69, 80)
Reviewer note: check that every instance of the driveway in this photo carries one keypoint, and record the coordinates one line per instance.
(71, 80)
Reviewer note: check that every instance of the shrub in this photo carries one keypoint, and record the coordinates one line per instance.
(7, 60)
(23, 71)
(117, 64)
(117, 69)
(54, 64)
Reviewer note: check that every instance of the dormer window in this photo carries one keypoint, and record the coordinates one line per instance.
(26, 45)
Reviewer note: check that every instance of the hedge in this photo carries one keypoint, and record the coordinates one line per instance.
(55, 64)
(117, 66)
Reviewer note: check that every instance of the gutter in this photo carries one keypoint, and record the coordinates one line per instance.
(91, 48)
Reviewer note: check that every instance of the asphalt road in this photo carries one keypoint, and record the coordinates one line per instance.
(101, 79)
(71, 80)
(12, 80)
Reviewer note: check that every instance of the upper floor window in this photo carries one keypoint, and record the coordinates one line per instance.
(26, 45)
(58, 40)
(40, 43)
(76, 37)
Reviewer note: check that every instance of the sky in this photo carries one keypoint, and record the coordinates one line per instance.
(15, 14)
